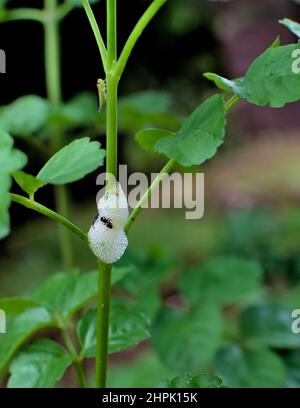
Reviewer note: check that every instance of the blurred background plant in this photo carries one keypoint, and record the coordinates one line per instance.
(230, 279)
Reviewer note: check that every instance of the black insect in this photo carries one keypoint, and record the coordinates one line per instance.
(107, 222)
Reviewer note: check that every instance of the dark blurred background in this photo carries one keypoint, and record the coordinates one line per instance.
(252, 185)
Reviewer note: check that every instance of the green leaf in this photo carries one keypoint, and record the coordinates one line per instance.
(270, 79)
(269, 325)
(73, 162)
(127, 329)
(188, 380)
(79, 111)
(25, 115)
(293, 26)
(200, 136)
(223, 83)
(146, 109)
(10, 160)
(222, 280)
(28, 183)
(19, 329)
(78, 3)
(187, 340)
(147, 138)
(5, 184)
(67, 292)
(250, 368)
(40, 365)
(16, 305)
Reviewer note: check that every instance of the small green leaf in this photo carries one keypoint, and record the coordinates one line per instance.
(16, 305)
(10, 160)
(293, 26)
(187, 340)
(78, 3)
(40, 365)
(223, 83)
(67, 292)
(269, 325)
(127, 329)
(250, 368)
(19, 329)
(188, 380)
(200, 137)
(147, 138)
(222, 280)
(73, 162)
(28, 183)
(25, 115)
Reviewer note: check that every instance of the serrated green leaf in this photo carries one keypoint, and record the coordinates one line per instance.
(19, 329)
(269, 325)
(40, 365)
(67, 292)
(188, 380)
(16, 305)
(200, 137)
(147, 138)
(73, 162)
(25, 115)
(221, 280)
(128, 328)
(28, 183)
(250, 368)
(293, 26)
(187, 340)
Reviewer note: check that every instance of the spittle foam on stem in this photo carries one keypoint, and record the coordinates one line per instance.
(107, 238)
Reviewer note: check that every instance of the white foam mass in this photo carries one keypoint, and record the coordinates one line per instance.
(107, 238)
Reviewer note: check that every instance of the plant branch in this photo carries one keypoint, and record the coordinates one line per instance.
(25, 14)
(97, 33)
(156, 182)
(33, 205)
(53, 82)
(136, 33)
(105, 272)
(231, 103)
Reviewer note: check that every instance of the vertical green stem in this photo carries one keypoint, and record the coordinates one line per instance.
(105, 271)
(53, 83)
(103, 323)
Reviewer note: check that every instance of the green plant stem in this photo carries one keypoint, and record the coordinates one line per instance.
(231, 103)
(25, 14)
(156, 182)
(76, 361)
(53, 82)
(33, 205)
(97, 33)
(136, 33)
(105, 272)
